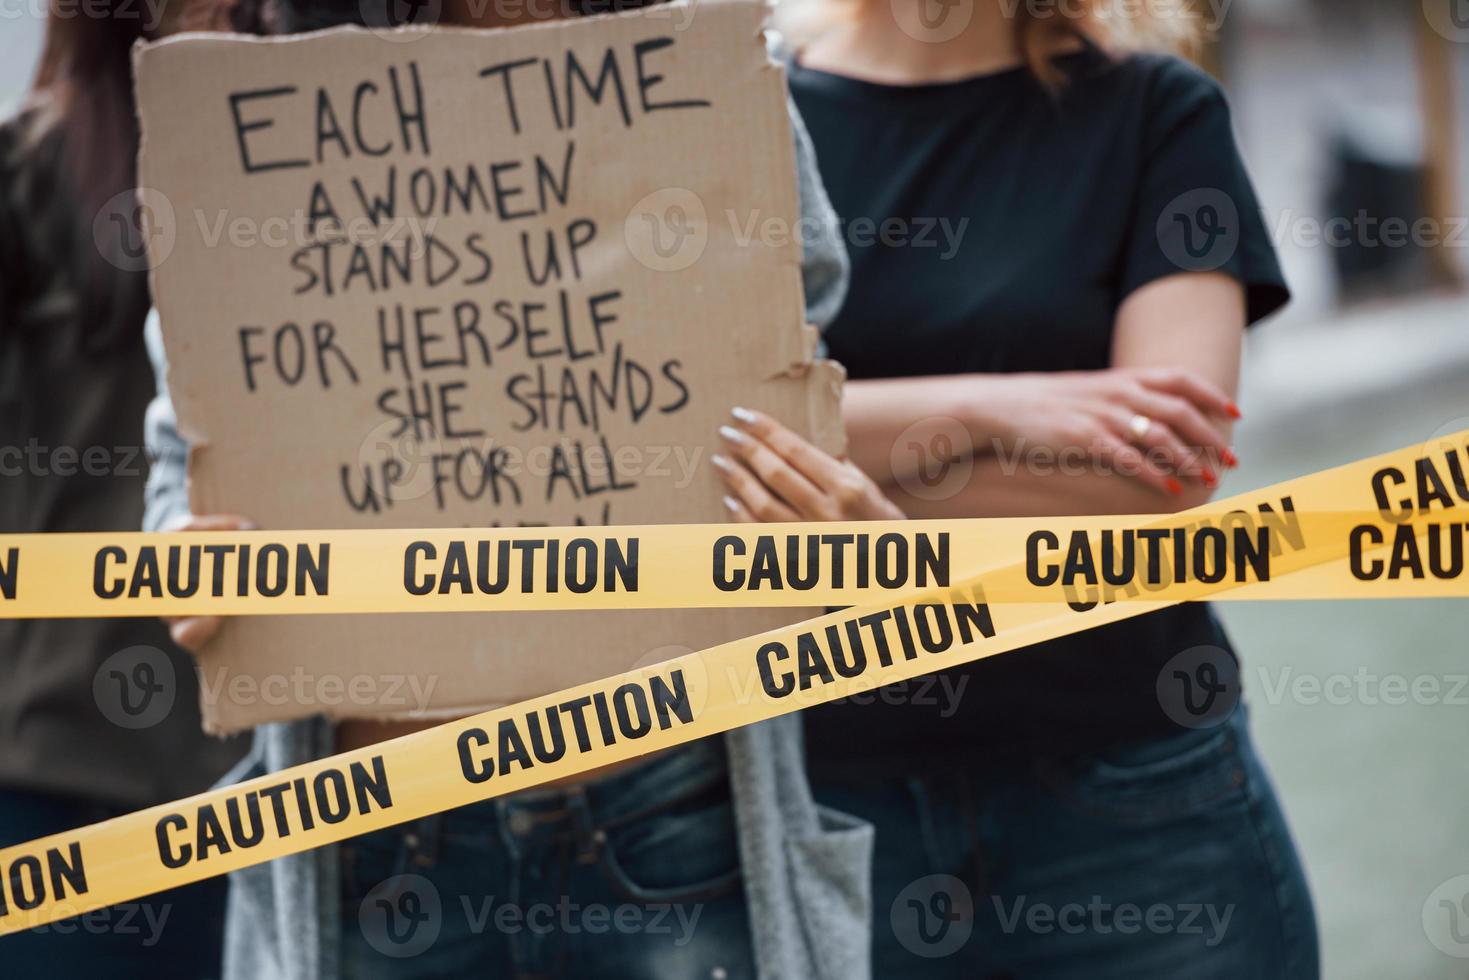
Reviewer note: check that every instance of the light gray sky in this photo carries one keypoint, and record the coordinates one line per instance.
(20, 44)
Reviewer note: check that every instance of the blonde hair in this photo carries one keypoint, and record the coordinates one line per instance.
(1041, 27)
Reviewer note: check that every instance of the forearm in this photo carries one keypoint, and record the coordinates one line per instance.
(166, 499)
(1007, 485)
(896, 425)
(1149, 434)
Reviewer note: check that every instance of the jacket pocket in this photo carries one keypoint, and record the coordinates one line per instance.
(831, 873)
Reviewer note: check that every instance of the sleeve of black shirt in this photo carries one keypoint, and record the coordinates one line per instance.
(1196, 210)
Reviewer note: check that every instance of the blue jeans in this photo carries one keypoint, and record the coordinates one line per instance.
(636, 875)
(174, 935)
(1161, 859)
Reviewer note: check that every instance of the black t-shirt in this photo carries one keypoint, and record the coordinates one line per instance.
(1017, 221)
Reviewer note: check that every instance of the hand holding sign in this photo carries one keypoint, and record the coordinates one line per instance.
(193, 632)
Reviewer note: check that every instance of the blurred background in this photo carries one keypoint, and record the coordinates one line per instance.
(1349, 108)
(1354, 115)
(20, 46)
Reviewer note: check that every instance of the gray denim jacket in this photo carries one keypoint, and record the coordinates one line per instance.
(807, 869)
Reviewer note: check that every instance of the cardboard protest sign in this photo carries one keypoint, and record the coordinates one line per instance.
(453, 278)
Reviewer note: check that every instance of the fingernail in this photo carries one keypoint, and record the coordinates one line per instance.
(732, 505)
(1174, 487)
(743, 414)
(249, 526)
(1228, 458)
(733, 435)
(1210, 479)
(721, 462)
(1232, 410)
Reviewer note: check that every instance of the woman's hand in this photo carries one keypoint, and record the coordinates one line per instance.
(1161, 425)
(773, 475)
(194, 632)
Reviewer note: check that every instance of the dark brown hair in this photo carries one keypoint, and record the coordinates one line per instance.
(81, 135)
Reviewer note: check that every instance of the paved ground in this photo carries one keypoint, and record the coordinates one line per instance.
(1378, 793)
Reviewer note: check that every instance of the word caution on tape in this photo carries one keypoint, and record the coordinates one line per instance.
(921, 597)
(1398, 540)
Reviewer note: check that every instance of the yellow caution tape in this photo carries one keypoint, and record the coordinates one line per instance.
(705, 566)
(1389, 526)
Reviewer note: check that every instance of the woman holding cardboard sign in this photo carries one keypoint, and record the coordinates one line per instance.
(1068, 346)
(693, 863)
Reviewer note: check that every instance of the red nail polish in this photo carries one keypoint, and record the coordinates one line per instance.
(1174, 487)
(1232, 410)
(1210, 479)
(1229, 458)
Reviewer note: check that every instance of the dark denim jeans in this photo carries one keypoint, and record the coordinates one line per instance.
(174, 935)
(635, 876)
(1163, 859)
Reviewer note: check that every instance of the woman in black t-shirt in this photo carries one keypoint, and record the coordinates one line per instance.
(1055, 251)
